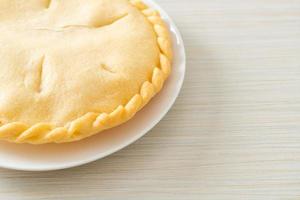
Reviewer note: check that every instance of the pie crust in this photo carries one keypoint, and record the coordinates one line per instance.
(70, 69)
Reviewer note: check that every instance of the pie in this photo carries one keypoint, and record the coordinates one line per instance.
(72, 68)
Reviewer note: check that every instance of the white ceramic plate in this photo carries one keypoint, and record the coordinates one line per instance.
(60, 156)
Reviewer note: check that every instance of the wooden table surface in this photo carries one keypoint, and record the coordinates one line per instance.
(234, 132)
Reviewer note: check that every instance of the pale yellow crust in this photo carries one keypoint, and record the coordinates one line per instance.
(92, 123)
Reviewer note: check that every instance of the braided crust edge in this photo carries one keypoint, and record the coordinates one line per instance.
(92, 123)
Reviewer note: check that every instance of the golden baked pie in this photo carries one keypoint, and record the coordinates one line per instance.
(72, 68)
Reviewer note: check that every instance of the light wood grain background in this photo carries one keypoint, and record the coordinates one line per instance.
(234, 132)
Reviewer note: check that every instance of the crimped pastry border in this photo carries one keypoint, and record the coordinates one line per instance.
(92, 123)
